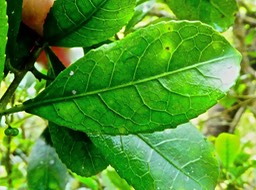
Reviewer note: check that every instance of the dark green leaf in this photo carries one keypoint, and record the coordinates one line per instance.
(218, 13)
(21, 39)
(227, 147)
(45, 170)
(76, 150)
(178, 158)
(3, 36)
(14, 10)
(19, 48)
(156, 78)
(85, 23)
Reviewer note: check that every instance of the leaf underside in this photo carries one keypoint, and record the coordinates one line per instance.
(142, 83)
(172, 159)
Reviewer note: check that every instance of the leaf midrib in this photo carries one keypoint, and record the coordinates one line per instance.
(35, 102)
(140, 136)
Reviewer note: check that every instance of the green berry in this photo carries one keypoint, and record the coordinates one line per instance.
(11, 131)
(15, 131)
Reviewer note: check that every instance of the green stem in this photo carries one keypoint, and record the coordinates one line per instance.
(29, 64)
(12, 110)
(11, 89)
(8, 162)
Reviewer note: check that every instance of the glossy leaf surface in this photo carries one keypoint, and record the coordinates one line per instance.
(45, 170)
(178, 158)
(142, 83)
(77, 151)
(227, 147)
(3, 35)
(218, 13)
(82, 23)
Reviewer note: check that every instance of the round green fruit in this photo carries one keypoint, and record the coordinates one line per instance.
(11, 131)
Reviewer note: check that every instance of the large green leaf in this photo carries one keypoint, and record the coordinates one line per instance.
(3, 36)
(77, 151)
(178, 158)
(86, 22)
(217, 13)
(156, 78)
(45, 170)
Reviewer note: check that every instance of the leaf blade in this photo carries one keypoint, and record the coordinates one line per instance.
(3, 36)
(86, 23)
(144, 82)
(158, 159)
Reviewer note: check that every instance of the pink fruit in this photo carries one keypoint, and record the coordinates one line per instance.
(34, 13)
(62, 53)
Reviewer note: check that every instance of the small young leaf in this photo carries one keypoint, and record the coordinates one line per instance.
(86, 23)
(76, 150)
(117, 181)
(45, 170)
(227, 147)
(142, 83)
(217, 13)
(140, 12)
(3, 36)
(178, 158)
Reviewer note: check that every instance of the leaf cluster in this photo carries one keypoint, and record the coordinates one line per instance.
(127, 101)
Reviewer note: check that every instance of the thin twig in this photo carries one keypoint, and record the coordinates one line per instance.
(19, 76)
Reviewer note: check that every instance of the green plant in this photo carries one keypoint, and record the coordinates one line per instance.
(127, 102)
(234, 159)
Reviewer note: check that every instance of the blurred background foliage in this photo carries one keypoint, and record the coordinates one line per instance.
(230, 125)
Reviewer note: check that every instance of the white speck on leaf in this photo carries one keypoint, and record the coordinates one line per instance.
(52, 162)
(74, 92)
(71, 73)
